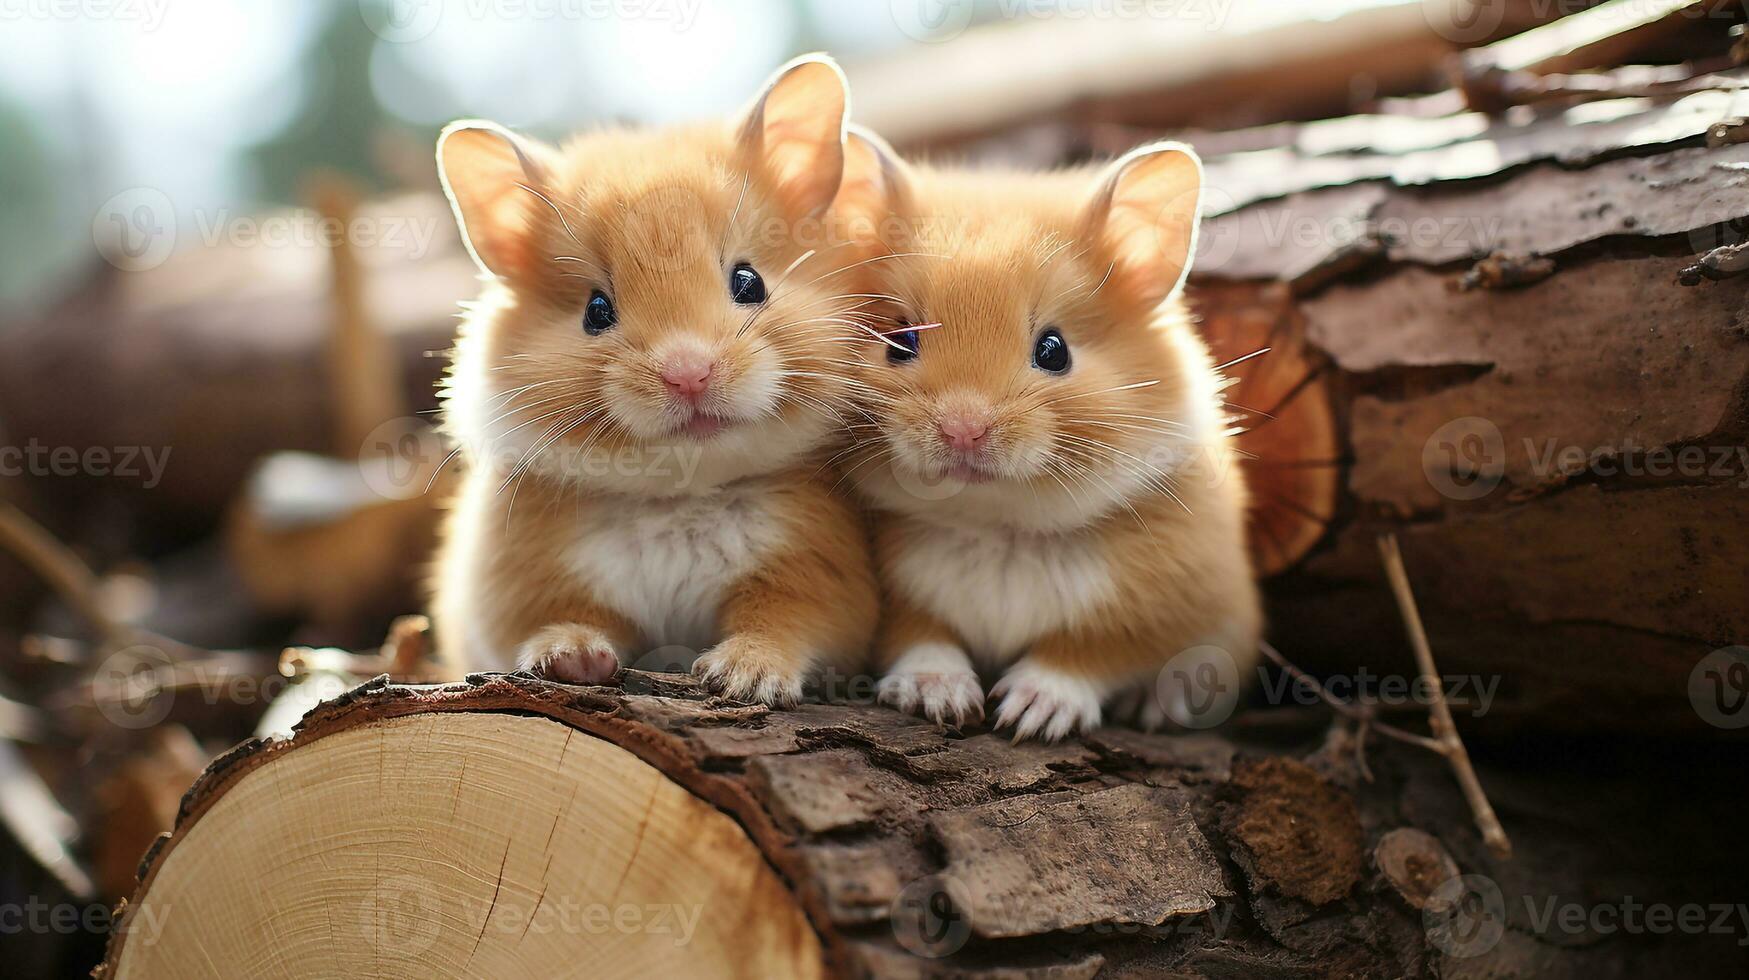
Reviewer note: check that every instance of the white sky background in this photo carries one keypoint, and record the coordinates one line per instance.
(179, 89)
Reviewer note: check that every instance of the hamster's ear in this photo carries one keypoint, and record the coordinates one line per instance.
(876, 187)
(492, 177)
(795, 131)
(1143, 219)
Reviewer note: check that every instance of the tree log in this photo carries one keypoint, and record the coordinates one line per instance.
(509, 826)
(1490, 343)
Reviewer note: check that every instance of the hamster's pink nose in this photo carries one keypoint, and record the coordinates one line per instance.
(687, 374)
(962, 431)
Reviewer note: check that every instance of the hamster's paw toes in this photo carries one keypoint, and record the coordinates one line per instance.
(747, 669)
(1047, 704)
(934, 680)
(570, 652)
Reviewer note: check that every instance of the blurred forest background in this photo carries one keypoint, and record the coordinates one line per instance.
(226, 105)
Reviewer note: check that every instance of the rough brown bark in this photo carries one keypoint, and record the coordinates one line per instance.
(916, 852)
(1496, 325)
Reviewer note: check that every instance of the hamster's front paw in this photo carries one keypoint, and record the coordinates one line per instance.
(1048, 703)
(935, 680)
(569, 652)
(748, 668)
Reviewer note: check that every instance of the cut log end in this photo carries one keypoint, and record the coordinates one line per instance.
(461, 844)
(1289, 434)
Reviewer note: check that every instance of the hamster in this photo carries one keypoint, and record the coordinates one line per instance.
(644, 397)
(1043, 443)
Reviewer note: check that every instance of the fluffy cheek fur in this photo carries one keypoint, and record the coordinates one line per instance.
(1064, 451)
(534, 394)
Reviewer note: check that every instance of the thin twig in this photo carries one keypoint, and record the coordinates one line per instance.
(1364, 714)
(1439, 716)
(57, 565)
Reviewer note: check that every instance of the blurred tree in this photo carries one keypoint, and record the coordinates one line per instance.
(341, 123)
(36, 240)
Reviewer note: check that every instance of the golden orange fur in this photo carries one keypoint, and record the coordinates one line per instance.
(607, 511)
(1075, 530)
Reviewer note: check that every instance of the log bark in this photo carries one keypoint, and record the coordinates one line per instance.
(510, 826)
(1492, 324)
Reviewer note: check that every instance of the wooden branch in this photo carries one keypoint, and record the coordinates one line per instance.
(57, 565)
(1439, 712)
(366, 379)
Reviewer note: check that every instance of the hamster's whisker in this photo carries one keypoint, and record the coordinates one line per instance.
(1125, 426)
(878, 258)
(1108, 271)
(1145, 418)
(728, 229)
(1148, 471)
(545, 442)
(915, 326)
(1055, 252)
(1102, 391)
(1240, 360)
(560, 214)
(1123, 499)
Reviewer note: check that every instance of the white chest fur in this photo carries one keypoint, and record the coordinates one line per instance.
(667, 564)
(1002, 589)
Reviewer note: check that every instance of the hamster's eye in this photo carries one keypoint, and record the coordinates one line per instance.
(745, 285)
(599, 316)
(904, 345)
(1051, 353)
